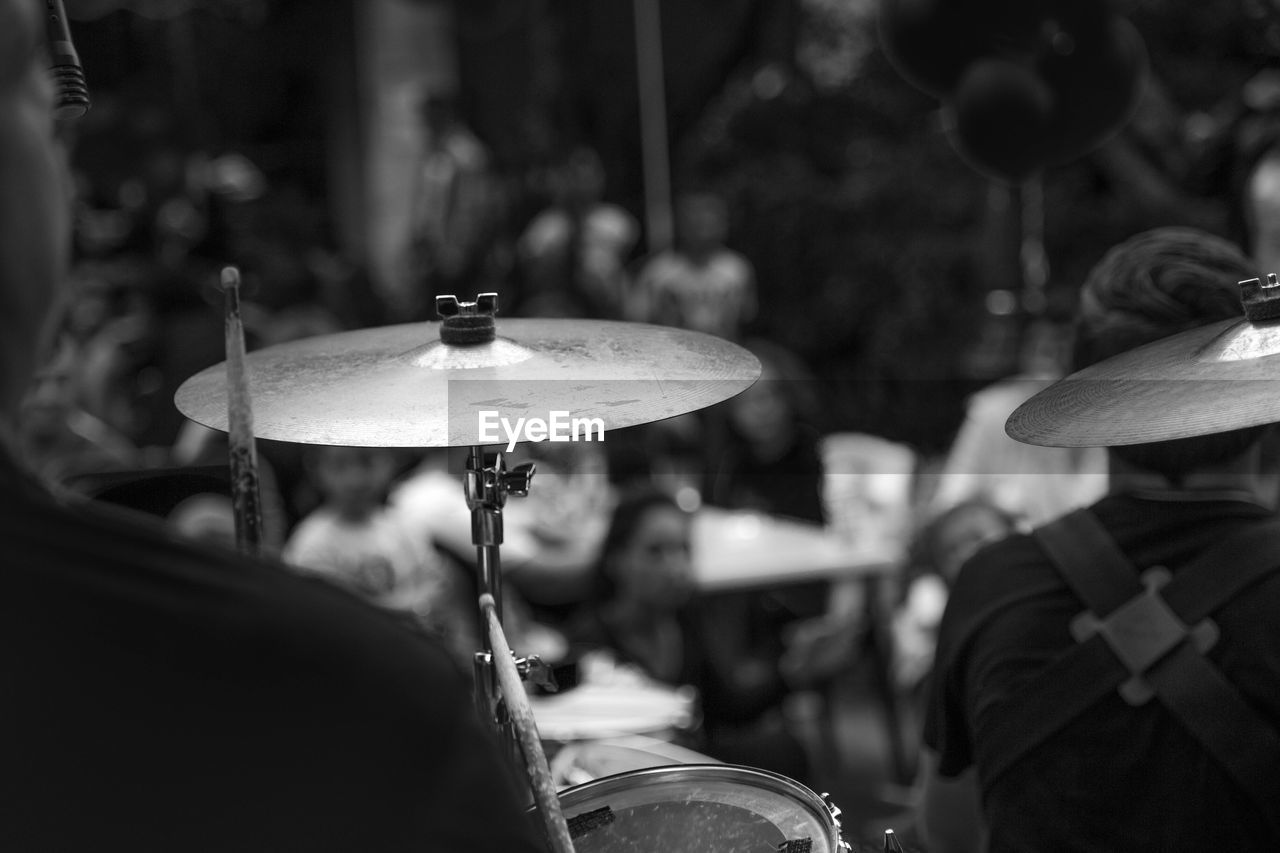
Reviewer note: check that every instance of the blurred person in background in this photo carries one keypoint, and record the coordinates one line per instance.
(700, 283)
(456, 208)
(352, 538)
(176, 696)
(1033, 484)
(645, 614)
(765, 456)
(764, 444)
(552, 538)
(573, 255)
(940, 548)
(1244, 153)
(1124, 769)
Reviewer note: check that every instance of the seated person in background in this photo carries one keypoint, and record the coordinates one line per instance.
(765, 452)
(765, 455)
(1034, 484)
(941, 548)
(430, 502)
(554, 535)
(165, 695)
(353, 540)
(646, 615)
(1120, 771)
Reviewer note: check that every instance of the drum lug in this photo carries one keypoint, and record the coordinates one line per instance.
(835, 813)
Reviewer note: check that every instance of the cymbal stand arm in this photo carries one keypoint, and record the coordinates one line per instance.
(487, 485)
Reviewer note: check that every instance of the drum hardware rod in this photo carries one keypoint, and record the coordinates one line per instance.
(492, 710)
(485, 498)
(521, 712)
(891, 843)
(489, 705)
(245, 493)
(487, 485)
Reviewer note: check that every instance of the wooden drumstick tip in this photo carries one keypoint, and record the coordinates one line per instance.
(230, 278)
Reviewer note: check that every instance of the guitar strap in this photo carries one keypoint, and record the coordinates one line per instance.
(1146, 636)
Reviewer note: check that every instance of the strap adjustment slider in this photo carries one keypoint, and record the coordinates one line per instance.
(1142, 631)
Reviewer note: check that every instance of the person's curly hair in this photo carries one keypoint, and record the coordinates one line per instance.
(1153, 285)
(1157, 284)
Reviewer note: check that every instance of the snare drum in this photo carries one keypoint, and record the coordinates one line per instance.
(700, 808)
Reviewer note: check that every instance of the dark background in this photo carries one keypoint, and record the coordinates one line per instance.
(875, 246)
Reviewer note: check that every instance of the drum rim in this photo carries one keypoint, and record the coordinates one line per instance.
(759, 777)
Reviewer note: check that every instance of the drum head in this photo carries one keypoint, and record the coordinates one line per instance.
(698, 809)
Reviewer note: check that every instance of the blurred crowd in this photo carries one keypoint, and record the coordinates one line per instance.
(600, 556)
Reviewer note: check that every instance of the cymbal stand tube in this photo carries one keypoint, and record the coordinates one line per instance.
(486, 495)
(487, 485)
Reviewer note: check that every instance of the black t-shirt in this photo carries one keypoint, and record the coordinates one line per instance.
(1117, 778)
(162, 696)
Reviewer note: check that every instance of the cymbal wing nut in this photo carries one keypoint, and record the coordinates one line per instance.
(519, 479)
(467, 323)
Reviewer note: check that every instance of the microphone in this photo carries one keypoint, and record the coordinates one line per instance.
(64, 64)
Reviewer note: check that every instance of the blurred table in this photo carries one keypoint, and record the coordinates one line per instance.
(743, 549)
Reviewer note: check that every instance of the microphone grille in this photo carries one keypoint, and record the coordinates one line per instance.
(72, 91)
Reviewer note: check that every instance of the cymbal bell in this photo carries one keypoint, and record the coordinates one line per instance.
(1216, 378)
(401, 386)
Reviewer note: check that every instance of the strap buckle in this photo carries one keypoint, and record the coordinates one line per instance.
(1142, 631)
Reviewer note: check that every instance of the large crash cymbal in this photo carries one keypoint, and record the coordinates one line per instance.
(400, 386)
(1216, 378)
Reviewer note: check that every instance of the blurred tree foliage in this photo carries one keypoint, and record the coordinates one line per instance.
(862, 228)
(875, 246)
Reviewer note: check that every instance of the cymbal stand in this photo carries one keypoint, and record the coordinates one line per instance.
(499, 675)
(487, 485)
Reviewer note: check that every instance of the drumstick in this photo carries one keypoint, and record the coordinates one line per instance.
(245, 497)
(540, 778)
